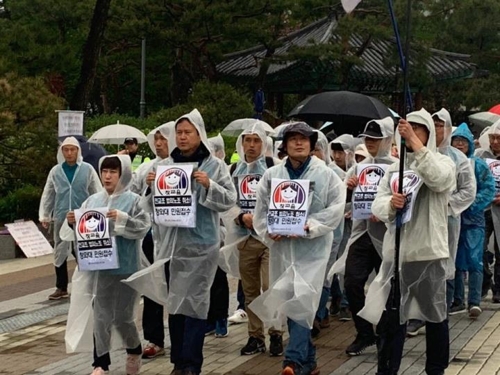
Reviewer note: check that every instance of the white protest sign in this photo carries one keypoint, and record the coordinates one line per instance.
(369, 176)
(288, 207)
(247, 192)
(29, 238)
(411, 185)
(495, 171)
(95, 248)
(174, 201)
(70, 123)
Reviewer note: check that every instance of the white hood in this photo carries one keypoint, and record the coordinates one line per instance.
(257, 129)
(69, 141)
(126, 173)
(167, 130)
(387, 128)
(194, 117)
(217, 147)
(349, 144)
(445, 116)
(484, 139)
(421, 117)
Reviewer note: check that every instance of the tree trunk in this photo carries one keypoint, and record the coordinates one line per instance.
(90, 57)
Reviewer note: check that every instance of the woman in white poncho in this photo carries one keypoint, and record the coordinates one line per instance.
(424, 251)
(102, 307)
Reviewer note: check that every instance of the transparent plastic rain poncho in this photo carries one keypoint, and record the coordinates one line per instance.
(485, 152)
(60, 196)
(139, 176)
(229, 254)
(470, 251)
(298, 266)
(269, 147)
(424, 240)
(348, 143)
(102, 307)
(375, 230)
(192, 252)
(217, 146)
(465, 192)
(323, 146)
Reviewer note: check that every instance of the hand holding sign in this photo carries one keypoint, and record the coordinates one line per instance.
(247, 220)
(112, 214)
(352, 182)
(202, 178)
(70, 216)
(150, 178)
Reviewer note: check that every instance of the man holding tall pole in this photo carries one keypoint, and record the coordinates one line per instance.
(429, 179)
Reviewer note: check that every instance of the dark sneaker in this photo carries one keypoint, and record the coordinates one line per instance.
(221, 328)
(290, 368)
(414, 327)
(360, 344)
(457, 308)
(496, 297)
(276, 345)
(325, 323)
(335, 307)
(253, 346)
(474, 311)
(345, 314)
(58, 294)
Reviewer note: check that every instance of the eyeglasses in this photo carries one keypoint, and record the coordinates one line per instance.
(459, 141)
(417, 126)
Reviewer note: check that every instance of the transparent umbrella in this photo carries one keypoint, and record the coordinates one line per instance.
(115, 134)
(236, 127)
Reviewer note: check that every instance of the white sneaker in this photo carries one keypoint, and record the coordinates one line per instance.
(133, 364)
(239, 316)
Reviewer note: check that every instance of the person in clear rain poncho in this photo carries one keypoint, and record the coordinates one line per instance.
(159, 140)
(217, 146)
(102, 308)
(192, 253)
(68, 184)
(470, 245)
(489, 143)
(461, 198)
(298, 264)
(321, 151)
(342, 153)
(430, 178)
(245, 255)
(364, 248)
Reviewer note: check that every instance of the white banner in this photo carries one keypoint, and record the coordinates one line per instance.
(29, 238)
(95, 248)
(289, 202)
(411, 185)
(174, 201)
(369, 176)
(247, 192)
(70, 123)
(495, 171)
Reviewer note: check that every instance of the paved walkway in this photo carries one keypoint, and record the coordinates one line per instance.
(32, 338)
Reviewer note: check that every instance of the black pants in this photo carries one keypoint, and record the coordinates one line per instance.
(219, 297)
(105, 360)
(62, 274)
(152, 314)
(390, 347)
(490, 280)
(361, 260)
(241, 297)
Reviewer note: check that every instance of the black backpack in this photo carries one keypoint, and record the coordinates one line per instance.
(269, 163)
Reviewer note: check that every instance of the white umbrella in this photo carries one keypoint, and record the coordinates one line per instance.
(484, 119)
(236, 127)
(115, 134)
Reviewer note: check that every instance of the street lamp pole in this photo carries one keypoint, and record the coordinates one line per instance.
(142, 103)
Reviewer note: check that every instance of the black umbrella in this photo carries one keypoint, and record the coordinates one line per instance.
(349, 111)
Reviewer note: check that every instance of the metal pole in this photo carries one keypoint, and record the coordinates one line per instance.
(142, 103)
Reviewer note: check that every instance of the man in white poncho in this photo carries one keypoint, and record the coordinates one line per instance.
(424, 252)
(192, 253)
(68, 184)
(298, 264)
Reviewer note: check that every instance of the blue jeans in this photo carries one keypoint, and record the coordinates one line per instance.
(322, 312)
(300, 349)
(475, 286)
(186, 336)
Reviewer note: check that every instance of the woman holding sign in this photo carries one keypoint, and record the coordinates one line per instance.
(108, 229)
(299, 204)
